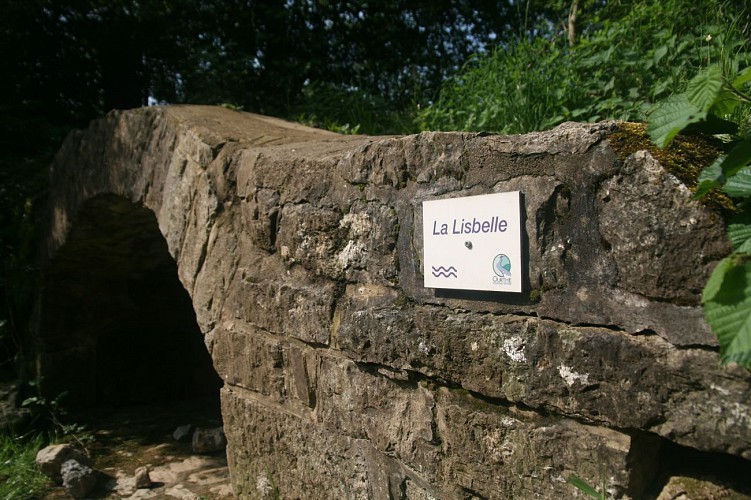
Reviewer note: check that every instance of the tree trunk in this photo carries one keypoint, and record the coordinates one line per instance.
(572, 23)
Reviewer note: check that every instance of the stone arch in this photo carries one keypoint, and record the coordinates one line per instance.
(116, 327)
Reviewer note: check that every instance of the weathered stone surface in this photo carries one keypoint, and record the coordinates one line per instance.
(142, 477)
(344, 377)
(447, 441)
(208, 440)
(251, 361)
(273, 460)
(540, 363)
(78, 479)
(50, 459)
(183, 433)
(688, 488)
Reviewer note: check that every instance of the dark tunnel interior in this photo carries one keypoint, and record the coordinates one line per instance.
(116, 327)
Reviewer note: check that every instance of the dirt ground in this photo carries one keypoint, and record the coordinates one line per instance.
(120, 441)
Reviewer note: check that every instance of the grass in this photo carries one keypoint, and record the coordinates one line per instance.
(19, 476)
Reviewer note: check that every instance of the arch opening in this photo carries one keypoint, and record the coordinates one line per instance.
(116, 327)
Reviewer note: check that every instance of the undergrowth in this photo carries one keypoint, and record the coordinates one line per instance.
(19, 476)
(623, 63)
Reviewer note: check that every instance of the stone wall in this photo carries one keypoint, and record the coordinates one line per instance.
(345, 378)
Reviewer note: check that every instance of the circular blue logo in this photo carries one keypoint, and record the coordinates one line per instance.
(502, 265)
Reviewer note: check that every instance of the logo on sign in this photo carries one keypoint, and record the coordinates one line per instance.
(502, 269)
(443, 272)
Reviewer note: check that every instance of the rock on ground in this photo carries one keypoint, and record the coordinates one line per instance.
(78, 479)
(50, 459)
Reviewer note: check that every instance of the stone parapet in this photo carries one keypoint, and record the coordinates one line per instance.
(344, 377)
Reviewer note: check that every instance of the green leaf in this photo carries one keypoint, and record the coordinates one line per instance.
(715, 280)
(660, 53)
(705, 187)
(583, 486)
(661, 86)
(738, 158)
(742, 358)
(703, 89)
(670, 117)
(728, 312)
(29, 401)
(739, 186)
(739, 232)
(712, 172)
(709, 178)
(743, 78)
(724, 105)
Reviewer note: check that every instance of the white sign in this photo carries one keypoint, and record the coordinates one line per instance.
(473, 243)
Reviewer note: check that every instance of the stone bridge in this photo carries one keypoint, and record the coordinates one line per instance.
(293, 258)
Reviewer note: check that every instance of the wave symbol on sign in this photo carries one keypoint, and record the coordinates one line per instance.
(444, 272)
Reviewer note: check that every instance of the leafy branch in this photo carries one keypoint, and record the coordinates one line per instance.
(708, 104)
(54, 412)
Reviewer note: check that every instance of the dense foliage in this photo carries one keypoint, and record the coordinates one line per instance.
(627, 56)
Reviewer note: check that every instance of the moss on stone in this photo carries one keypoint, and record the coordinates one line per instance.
(685, 158)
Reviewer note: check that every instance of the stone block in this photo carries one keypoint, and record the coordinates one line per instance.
(275, 454)
(296, 376)
(506, 452)
(395, 416)
(250, 359)
(289, 305)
